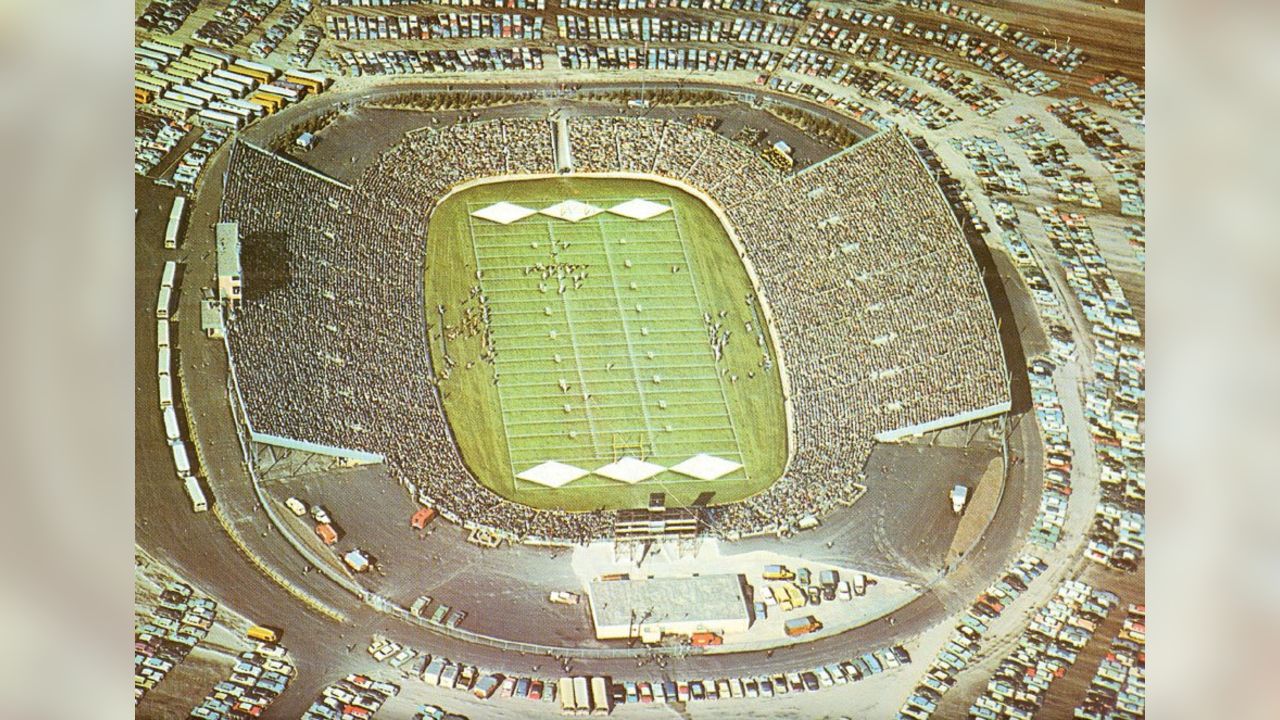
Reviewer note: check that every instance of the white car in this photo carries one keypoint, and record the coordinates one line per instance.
(320, 515)
(298, 507)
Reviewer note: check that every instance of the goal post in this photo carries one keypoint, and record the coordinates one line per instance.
(624, 445)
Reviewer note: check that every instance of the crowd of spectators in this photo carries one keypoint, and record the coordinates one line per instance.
(877, 304)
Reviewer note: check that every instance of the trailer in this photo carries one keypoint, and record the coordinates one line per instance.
(171, 424)
(199, 503)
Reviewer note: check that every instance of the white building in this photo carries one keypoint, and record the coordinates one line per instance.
(227, 235)
(651, 607)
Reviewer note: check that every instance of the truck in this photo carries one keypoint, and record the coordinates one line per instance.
(198, 501)
(564, 597)
(828, 579)
(778, 572)
(357, 560)
(795, 627)
(859, 584)
(262, 633)
(327, 534)
(959, 497)
(420, 518)
(486, 686)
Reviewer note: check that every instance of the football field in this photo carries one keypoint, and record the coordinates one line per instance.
(602, 337)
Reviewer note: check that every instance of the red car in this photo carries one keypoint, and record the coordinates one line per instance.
(535, 690)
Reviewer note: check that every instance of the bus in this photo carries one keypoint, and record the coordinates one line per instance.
(166, 391)
(314, 82)
(143, 95)
(181, 461)
(263, 634)
(198, 501)
(599, 696)
(213, 89)
(145, 52)
(258, 75)
(167, 47)
(164, 361)
(162, 303)
(270, 103)
(238, 78)
(267, 70)
(235, 88)
(162, 333)
(216, 55)
(171, 424)
(171, 235)
(567, 700)
(170, 266)
(253, 108)
(221, 119)
(581, 696)
(281, 90)
(172, 109)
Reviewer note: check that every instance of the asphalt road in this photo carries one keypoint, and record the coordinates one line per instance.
(196, 546)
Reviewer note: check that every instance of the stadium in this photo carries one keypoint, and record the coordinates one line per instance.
(721, 358)
(430, 319)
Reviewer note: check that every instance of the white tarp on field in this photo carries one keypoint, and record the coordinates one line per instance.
(629, 470)
(503, 213)
(706, 467)
(639, 209)
(571, 210)
(552, 474)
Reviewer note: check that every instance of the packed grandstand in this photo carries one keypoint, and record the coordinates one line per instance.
(878, 306)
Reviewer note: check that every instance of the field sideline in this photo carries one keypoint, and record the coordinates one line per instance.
(601, 344)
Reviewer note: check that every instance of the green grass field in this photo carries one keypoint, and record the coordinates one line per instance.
(618, 362)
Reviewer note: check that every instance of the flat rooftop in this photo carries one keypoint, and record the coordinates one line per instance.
(710, 599)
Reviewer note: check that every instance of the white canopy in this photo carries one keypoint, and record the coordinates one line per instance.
(706, 467)
(629, 470)
(571, 210)
(503, 213)
(552, 474)
(639, 209)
